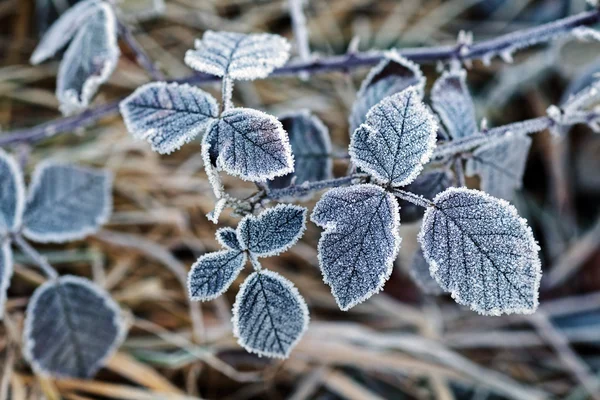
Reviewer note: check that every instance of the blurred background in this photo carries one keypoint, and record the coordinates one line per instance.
(401, 344)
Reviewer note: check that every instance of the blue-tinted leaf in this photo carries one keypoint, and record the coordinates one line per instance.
(451, 99)
(63, 30)
(12, 194)
(428, 185)
(311, 147)
(419, 272)
(397, 138)
(482, 252)
(6, 271)
(392, 75)
(168, 115)
(66, 202)
(250, 144)
(273, 231)
(360, 242)
(237, 55)
(501, 165)
(213, 273)
(227, 237)
(71, 328)
(89, 61)
(269, 315)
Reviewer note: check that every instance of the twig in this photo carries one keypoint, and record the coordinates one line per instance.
(304, 189)
(36, 257)
(300, 31)
(488, 48)
(140, 54)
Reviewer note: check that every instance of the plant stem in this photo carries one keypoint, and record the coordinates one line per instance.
(412, 198)
(226, 93)
(141, 56)
(36, 257)
(483, 50)
(304, 189)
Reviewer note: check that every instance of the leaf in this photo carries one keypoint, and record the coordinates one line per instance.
(213, 273)
(227, 237)
(250, 144)
(269, 315)
(12, 194)
(311, 148)
(451, 99)
(427, 185)
(482, 252)
(392, 75)
(168, 115)
(71, 328)
(237, 55)
(360, 242)
(419, 272)
(273, 231)
(397, 138)
(6, 271)
(89, 61)
(142, 10)
(66, 202)
(63, 30)
(500, 164)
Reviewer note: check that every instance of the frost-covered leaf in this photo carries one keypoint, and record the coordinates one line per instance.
(71, 328)
(428, 185)
(12, 194)
(250, 144)
(269, 315)
(397, 138)
(213, 273)
(238, 55)
(273, 231)
(482, 252)
(66, 202)
(419, 272)
(227, 237)
(89, 61)
(451, 99)
(141, 10)
(63, 30)
(392, 75)
(501, 165)
(311, 147)
(360, 242)
(168, 115)
(6, 271)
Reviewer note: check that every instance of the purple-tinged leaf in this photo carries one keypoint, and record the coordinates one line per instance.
(451, 99)
(419, 272)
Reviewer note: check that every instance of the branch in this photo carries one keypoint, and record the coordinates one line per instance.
(502, 45)
(36, 257)
(304, 189)
(142, 57)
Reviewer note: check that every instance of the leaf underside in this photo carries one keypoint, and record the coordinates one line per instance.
(71, 328)
(482, 252)
(360, 242)
(12, 194)
(419, 272)
(213, 273)
(428, 185)
(66, 202)
(269, 315)
(452, 101)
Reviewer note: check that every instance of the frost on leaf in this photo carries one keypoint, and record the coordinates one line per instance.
(89, 61)
(311, 147)
(396, 139)
(12, 194)
(428, 185)
(63, 30)
(250, 144)
(168, 115)
(227, 237)
(6, 271)
(500, 164)
(392, 75)
(360, 242)
(213, 273)
(71, 328)
(66, 202)
(237, 55)
(269, 315)
(419, 272)
(451, 99)
(482, 252)
(273, 231)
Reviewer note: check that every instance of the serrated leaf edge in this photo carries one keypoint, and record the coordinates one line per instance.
(229, 282)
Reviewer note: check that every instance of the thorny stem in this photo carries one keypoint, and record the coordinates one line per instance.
(483, 50)
(142, 57)
(36, 257)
